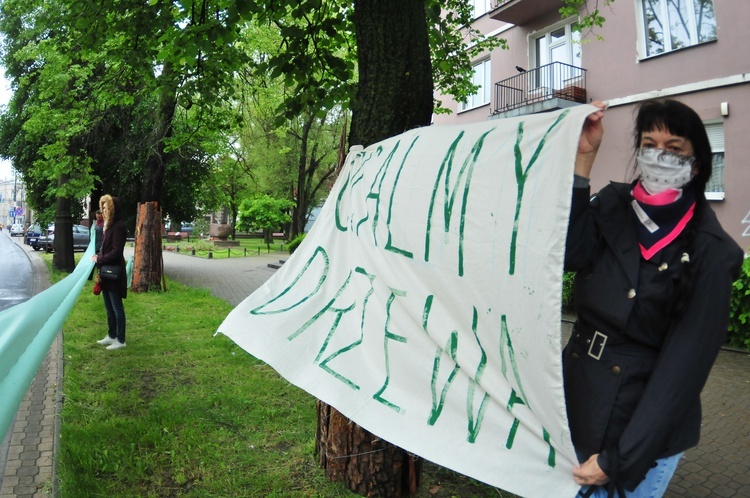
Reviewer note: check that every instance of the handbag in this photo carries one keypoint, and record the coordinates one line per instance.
(110, 273)
(97, 289)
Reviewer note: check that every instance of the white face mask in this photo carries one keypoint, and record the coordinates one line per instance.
(661, 169)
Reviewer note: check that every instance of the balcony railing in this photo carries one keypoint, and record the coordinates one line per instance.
(552, 81)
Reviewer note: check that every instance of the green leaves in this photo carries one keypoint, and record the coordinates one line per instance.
(590, 20)
(454, 44)
(98, 87)
(315, 55)
(264, 213)
(739, 314)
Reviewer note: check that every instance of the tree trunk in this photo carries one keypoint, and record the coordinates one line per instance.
(63, 258)
(395, 74)
(394, 95)
(364, 463)
(148, 229)
(148, 265)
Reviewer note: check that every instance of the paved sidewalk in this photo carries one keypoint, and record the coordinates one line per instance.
(31, 442)
(230, 279)
(718, 467)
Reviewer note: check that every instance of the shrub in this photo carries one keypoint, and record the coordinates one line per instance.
(201, 227)
(567, 290)
(202, 245)
(739, 311)
(295, 242)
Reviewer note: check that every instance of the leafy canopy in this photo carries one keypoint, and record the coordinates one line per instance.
(264, 212)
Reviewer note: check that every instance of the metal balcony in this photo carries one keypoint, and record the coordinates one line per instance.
(548, 87)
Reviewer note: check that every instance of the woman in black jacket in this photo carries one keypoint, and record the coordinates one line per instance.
(652, 290)
(111, 253)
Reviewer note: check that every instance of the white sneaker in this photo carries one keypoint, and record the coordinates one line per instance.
(115, 345)
(106, 341)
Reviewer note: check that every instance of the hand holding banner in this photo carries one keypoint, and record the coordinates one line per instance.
(425, 302)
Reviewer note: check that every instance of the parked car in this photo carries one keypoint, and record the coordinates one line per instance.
(36, 238)
(32, 234)
(16, 229)
(81, 239)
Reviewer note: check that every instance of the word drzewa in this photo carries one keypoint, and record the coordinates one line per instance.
(341, 318)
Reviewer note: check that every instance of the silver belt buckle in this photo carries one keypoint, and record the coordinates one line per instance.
(598, 342)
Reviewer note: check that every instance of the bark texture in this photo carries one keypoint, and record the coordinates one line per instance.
(394, 95)
(364, 463)
(395, 92)
(63, 258)
(148, 265)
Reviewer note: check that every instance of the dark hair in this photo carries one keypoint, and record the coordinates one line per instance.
(681, 120)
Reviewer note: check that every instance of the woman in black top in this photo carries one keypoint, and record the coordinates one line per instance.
(111, 253)
(652, 290)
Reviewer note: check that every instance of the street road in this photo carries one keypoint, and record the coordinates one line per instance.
(16, 275)
(16, 286)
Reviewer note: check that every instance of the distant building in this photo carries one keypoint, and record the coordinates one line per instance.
(13, 207)
(697, 55)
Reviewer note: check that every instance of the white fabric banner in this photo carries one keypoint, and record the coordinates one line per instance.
(425, 302)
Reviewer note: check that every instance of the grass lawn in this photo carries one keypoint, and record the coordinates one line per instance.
(180, 412)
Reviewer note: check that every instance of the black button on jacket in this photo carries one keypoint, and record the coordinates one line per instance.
(642, 397)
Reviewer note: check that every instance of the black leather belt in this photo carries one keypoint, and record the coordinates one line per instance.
(597, 342)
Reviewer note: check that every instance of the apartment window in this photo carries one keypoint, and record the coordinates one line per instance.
(675, 24)
(481, 7)
(557, 51)
(715, 186)
(559, 44)
(481, 78)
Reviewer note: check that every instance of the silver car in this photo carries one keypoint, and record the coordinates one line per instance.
(81, 239)
(16, 229)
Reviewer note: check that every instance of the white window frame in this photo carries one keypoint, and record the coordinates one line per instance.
(481, 7)
(642, 28)
(715, 131)
(483, 78)
(571, 40)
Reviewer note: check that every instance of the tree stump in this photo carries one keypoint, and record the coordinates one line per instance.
(148, 266)
(363, 462)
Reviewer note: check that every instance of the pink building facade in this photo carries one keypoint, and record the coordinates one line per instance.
(699, 55)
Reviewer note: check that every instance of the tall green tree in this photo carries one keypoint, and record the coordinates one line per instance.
(230, 185)
(403, 48)
(52, 129)
(394, 95)
(294, 155)
(126, 67)
(82, 61)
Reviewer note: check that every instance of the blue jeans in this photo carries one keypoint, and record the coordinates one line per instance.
(115, 315)
(654, 485)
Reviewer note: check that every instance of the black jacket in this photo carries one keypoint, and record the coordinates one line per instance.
(640, 401)
(111, 252)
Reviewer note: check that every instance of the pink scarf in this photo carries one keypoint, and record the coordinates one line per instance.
(662, 217)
